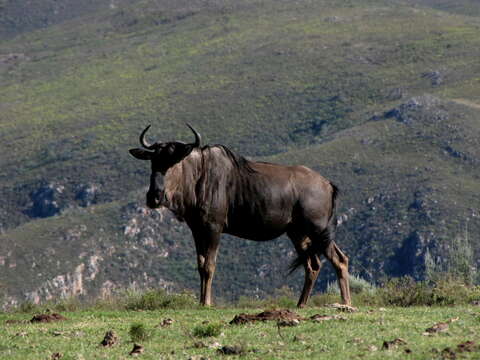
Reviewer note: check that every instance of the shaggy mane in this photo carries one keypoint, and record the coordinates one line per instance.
(241, 163)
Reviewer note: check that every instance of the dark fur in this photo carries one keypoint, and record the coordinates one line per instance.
(326, 236)
(217, 191)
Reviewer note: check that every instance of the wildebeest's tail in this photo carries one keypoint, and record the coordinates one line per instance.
(322, 240)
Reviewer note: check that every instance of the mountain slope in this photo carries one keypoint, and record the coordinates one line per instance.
(380, 97)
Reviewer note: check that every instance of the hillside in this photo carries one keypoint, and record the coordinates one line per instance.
(381, 97)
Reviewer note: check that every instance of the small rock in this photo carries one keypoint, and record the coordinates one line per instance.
(468, 346)
(137, 350)
(320, 318)
(448, 353)
(231, 350)
(439, 327)
(215, 345)
(56, 356)
(166, 322)
(110, 338)
(342, 307)
(393, 344)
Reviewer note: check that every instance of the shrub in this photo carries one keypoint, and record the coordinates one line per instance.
(159, 299)
(69, 304)
(358, 285)
(445, 291)
(450, 290)
(207, 330)
(250, 303)
(404, 291)
(138, 332)
(283, 298)
(29, 307)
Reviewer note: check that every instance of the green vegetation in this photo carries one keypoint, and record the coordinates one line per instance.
(207, 330)
(159, 299)
(401, 309)
(138, 332)
(424, 332)
(358, 285)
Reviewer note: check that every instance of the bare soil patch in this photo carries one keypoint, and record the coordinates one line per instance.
(267, 315)
(284, 317)
(46, 318)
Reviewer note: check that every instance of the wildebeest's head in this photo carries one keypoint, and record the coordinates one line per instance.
(162, 156)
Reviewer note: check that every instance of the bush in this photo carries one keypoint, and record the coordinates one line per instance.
(29, 307)
(446, 291)
(159, 299)
(69, 304)
(358, 285)
(450, 290)
(138, 332)
(283, 298)
(246, 302)
(405, 291)
(207, 330)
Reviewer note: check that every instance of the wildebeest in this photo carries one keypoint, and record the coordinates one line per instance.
(216, 191)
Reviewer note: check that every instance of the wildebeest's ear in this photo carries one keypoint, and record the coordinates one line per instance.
(141, 154)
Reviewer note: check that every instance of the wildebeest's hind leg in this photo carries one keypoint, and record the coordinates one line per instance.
(206, 243)
(311, 263)
(340, 263)
(322, 243)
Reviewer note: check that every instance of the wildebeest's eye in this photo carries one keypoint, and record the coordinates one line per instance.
(171, 149)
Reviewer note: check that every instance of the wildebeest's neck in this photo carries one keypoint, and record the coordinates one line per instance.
(203, 180)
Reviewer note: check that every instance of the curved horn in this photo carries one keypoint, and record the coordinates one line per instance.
(144, 143)
(198, 138)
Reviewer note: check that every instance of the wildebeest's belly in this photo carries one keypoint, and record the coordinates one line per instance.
(256, 226)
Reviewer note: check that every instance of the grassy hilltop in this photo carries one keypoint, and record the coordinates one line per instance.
(382, 97)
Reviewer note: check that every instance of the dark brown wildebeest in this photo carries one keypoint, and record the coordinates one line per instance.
(216, 191)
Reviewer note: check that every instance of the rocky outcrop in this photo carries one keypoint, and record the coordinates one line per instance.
(410, 258)
(424, 108)
(46, 201)
(86, 194)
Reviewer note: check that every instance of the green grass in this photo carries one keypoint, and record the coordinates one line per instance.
(289, 82)
(79, 337)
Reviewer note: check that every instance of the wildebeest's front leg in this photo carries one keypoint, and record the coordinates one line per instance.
(206, 243)
(340, 262)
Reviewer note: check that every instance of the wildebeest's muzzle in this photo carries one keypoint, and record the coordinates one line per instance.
(155, 193)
